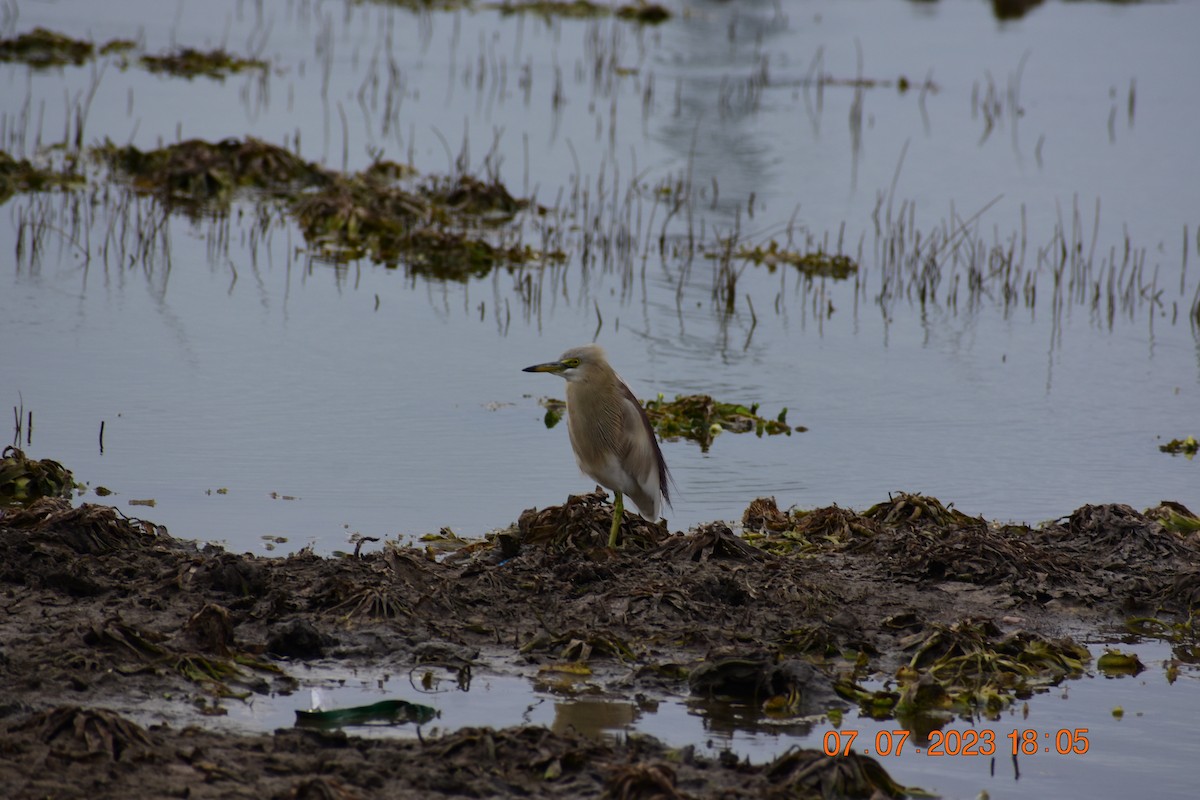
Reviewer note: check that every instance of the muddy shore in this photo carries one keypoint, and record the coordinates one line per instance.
(797, 612)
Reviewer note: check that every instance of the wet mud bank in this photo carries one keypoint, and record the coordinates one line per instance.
(908, 610)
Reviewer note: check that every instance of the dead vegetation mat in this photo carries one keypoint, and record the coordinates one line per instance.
(99, 608)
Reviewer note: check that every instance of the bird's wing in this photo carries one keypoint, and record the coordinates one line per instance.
(643, 457)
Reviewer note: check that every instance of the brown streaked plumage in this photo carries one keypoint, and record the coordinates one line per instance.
(613, 440)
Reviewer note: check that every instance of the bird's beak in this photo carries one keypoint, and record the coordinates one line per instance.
(552, 366)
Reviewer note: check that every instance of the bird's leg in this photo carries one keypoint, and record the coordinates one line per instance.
(618, 512)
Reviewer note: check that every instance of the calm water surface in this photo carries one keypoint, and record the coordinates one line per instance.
(394, 405)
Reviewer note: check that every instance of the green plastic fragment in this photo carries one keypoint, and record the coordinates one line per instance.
(386, 712)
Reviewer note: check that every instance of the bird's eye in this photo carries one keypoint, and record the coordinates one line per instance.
(571, 363)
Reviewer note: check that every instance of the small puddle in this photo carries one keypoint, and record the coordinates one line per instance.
(1102, 752)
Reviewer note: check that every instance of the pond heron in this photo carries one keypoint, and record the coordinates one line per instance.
(613, 440)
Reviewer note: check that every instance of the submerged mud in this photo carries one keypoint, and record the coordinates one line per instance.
(104, 614)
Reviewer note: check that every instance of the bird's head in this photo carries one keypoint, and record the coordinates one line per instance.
(577, 364)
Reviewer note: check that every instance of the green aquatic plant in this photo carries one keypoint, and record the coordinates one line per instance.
(431, 228)
(970, 668)
(640, 12)
(700, 418)
(817, 264)
(1115, 663)
(41, 48)
(117, 47)
(644, 13)
(1175, 517)
(20, 175)
(443, 227)
(23, 480)
(1187, 447)
(196, 173)
(188, 63)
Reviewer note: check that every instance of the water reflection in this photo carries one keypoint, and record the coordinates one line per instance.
(728, 719)
(595, 719)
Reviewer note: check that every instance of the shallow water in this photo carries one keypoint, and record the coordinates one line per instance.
(1123, 753)
(393, 405)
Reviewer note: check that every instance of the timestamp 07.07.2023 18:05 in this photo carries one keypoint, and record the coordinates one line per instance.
(969, 742)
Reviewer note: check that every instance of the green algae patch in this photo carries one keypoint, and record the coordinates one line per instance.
(555, 410)
(970, 669)
(23, 480)
(41, 48)
(817, 264)
(1114, 664)
(418, 6)
(1186, 447)
(700, 418)
(116, 47)
(451, 227)
(439, 228)
(577, 9)
(188, 63)
(644, 13)
(21, 175)
(198, 174)
(640, 12)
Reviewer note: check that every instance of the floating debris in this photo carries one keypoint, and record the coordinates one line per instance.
(1115, 664)
(555, 410)
(23, 480)
(188, 63)
(41, 48)
(700, 418)
(385, 712)
(1186, 447)
(1175, 517)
